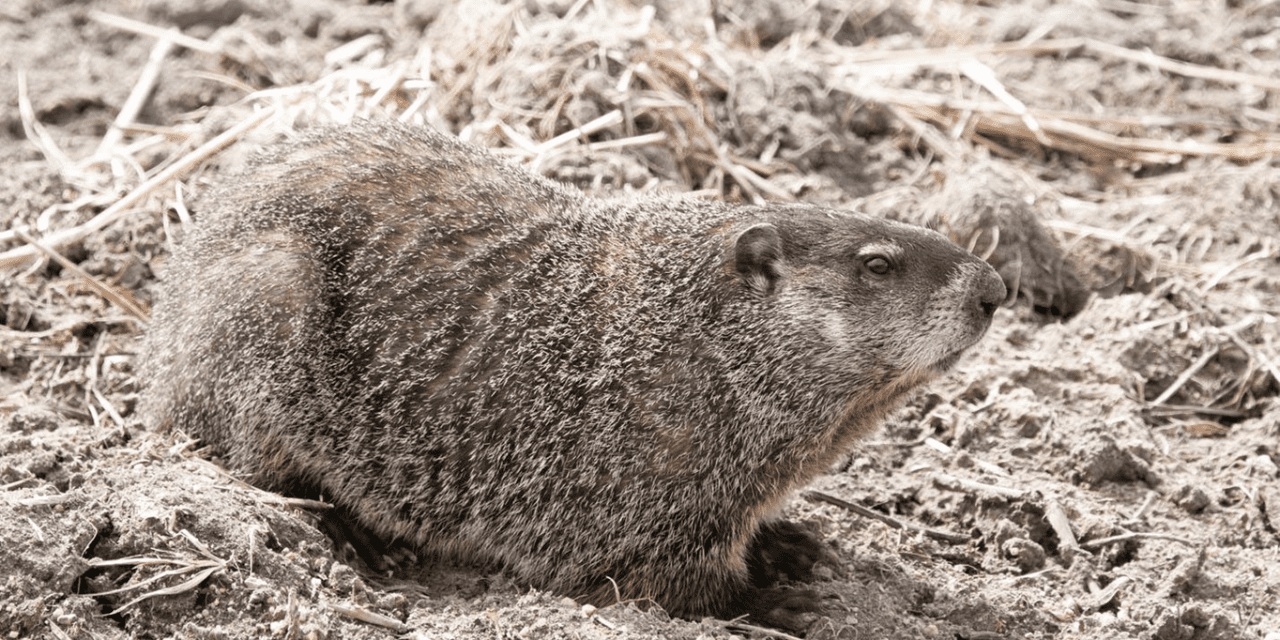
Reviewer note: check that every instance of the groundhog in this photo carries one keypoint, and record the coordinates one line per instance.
(612, 398)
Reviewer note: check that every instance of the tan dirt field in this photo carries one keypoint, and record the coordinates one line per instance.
(1115, 474)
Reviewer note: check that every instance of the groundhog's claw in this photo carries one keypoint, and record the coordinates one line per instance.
(785, 608)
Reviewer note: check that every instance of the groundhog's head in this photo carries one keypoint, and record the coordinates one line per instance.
(884, 302)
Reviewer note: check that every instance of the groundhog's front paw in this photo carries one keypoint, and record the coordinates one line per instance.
(783, 608)
(354, 543)
(783, 551)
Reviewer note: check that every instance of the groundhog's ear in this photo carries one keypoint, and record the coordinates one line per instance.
(757, 257)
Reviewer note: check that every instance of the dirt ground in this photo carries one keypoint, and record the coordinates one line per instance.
(1109, 475)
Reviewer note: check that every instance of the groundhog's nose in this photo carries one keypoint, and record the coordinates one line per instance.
(991, 292)
(989, 308)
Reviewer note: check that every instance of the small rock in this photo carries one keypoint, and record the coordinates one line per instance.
(33, 417)
(1190, 498)
(1101, 459)
(1026, 553)
(1263, 465)
(344, 580)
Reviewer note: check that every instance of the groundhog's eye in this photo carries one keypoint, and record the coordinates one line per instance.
(878, 265)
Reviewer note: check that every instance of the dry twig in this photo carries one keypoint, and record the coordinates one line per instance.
(951, 56)
(23, 255)
(371, 617)
(118, 297)
(1136, 535)
(137, 98)
(1061, 525)
(989, 467)
(203, 569)
(952, 483)
(159, 33)
(761, 632)
(936, 534)
(1185, 376)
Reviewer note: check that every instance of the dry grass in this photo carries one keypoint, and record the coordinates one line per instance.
(706, 110)
(605, 79)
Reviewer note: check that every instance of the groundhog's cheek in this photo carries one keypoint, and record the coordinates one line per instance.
(834, 328)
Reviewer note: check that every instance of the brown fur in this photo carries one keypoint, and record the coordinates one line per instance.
(485, 363)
